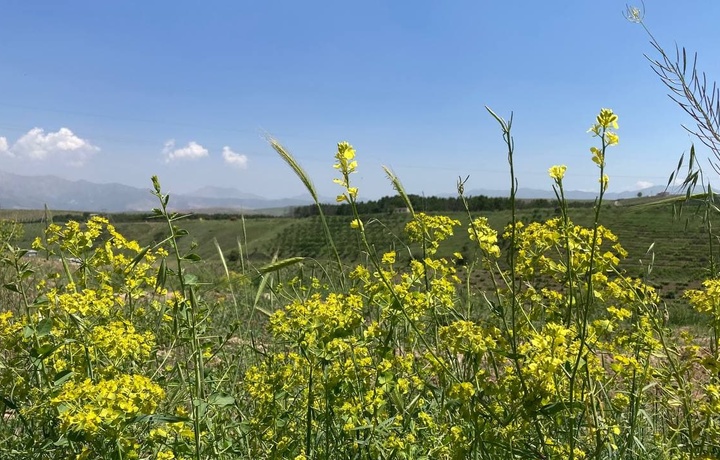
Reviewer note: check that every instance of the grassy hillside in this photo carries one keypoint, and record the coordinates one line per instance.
(680, 246)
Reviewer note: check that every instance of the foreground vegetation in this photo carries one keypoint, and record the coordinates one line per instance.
(679, 243)
(516, 334)
(531, 342)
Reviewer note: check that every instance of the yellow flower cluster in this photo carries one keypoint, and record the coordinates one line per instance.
(107, 257)
(87, 350)
(430, 230)
(345, 157)
(347, 165)
(706, 300)
(557, 172)
(606, 122)
(108, 405)
(8, 327)
(462, 391)
(486, 237)
(119, 341)
(547, 352)
(315, 322)
(466, 337)
(88, 302)
(542, 248)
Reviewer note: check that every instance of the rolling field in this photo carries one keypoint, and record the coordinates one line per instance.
(680, 244)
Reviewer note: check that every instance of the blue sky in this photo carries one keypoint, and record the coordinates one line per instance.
(119, 91)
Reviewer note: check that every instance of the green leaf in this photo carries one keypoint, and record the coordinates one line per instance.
(258, 295)
(136, 260)
(12, 287)
(43, 351)
(62, 377)
(509, 354)
(159, 418)
(264, 311)
(551, 409)
(275, 266)
(191, 280)
(220, 399)
(8, 403)
(44, 327)
(61, 442)
(193, 257)
(161, 275)
(40, 300)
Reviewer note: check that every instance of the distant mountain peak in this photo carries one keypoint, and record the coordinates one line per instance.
(212, 191)
(34, 192)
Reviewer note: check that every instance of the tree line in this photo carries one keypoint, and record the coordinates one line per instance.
(395, 204)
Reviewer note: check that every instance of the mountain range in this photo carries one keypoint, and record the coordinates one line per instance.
(531, 193)
(35, 192)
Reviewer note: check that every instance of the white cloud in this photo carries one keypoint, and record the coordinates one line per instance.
(643, 184)
(235, 159)
(192, 151)
(37, 145)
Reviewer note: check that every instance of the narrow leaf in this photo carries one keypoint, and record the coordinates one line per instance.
(275, 266)
(62, 377)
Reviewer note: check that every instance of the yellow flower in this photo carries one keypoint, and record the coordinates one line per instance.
(604, 180)
(356, 223)
(557, 172)
(120, 341)
(611, 138)
(431, 229)
(389, 258)
(345, 157)
(485, 236)
(607, 119)
(107, 404)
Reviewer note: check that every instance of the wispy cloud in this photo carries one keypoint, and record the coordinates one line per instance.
(192, 151)
(38, 145)
(642, 184)
(236, 159)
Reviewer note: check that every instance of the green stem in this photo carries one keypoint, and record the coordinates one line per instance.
(510, 144)
(589, 298)
(198, 389)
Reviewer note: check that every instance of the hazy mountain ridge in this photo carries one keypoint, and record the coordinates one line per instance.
(531, 193)
(34, 192)
(212, 191)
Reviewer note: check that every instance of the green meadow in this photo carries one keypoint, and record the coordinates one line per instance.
(654, 231)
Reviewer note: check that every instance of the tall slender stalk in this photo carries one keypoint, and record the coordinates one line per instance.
(191, 311)
(305, 179)
(584, 313)
(506, 127)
